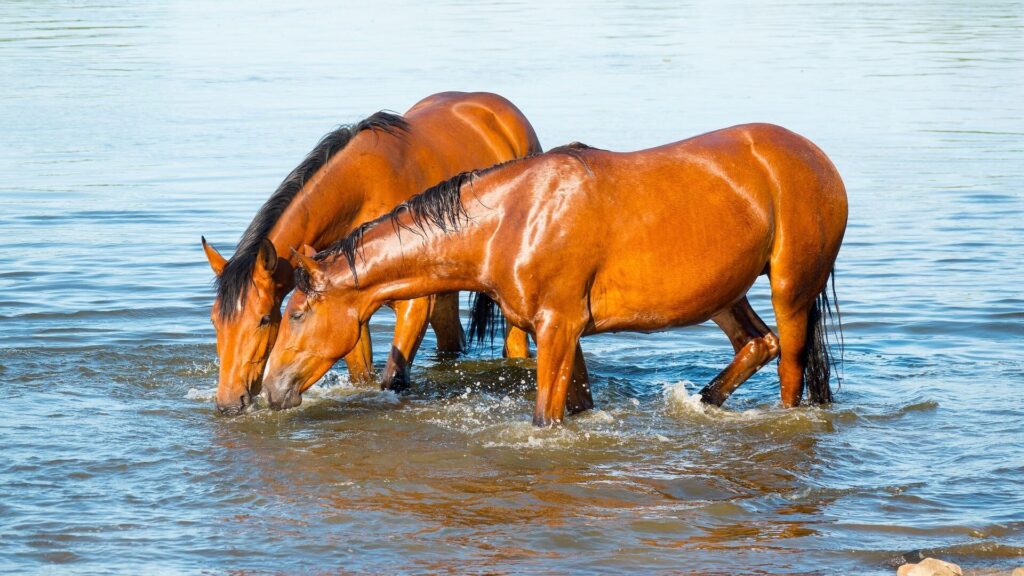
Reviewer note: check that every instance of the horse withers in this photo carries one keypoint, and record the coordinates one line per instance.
(581, 241)
(353, 175)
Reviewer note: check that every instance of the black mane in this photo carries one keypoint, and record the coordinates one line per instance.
(439, 207)
(234, 281)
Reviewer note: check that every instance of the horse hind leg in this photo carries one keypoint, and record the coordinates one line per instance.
(360, 359)
(800, 298)
(445, 321)
(806, 359)
(517, 343)
(754, 344)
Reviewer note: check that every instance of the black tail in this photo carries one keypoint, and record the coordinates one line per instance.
(820, 358)
(485, 318)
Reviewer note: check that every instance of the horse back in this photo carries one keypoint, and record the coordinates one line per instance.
(671, 235)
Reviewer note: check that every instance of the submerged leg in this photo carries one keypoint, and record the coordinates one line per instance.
(446, 324)
(754, 344)
(792, 322)
(796, 288)
(411, 318)
(556, 357)
(360, 359)
(579, 397)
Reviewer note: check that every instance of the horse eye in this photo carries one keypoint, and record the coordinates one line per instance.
(297, 315)
(265, 321)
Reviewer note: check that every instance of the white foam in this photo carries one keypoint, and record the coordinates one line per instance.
(595, 416)
(338, 387)
(678, 397)
(331, 383)
(471, 413)
(524, 435)
(206, 395)
(680, 402)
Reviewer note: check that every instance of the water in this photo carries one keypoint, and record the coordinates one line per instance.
(129, 129)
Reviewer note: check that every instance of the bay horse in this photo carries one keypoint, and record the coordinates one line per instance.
(355, 174)
(580, 241)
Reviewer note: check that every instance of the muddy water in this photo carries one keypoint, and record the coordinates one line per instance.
(130, 129)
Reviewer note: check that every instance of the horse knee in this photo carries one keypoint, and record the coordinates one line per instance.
(760, 351)
(771, 342)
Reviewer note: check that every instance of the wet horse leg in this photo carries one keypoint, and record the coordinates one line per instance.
(517, 343)
(754, 344)
(445, 322)
(557, 348)
(411, 317)
(360, 359)
(795, 289)
(793, 329)
(579, 397)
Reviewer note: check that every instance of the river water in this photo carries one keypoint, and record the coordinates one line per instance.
(130, 128)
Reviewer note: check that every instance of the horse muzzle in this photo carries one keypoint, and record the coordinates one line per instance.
(237, 407)
(282, 397)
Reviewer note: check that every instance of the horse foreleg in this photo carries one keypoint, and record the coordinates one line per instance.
(754, 344)
(556, 357)
(445, 322)
(360, 359)
(411, 318)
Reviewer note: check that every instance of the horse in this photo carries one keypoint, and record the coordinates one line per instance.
(580, 241)
(354, 174)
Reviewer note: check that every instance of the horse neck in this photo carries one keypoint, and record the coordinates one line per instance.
(395, 263)
(322, 212)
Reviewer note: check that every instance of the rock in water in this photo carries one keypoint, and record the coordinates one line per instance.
(930, 567)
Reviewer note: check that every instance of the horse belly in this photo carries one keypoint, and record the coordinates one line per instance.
(679, 275)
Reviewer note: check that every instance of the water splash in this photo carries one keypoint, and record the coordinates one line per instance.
(201, 394)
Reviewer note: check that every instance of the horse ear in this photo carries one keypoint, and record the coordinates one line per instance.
(267, 257)
(310, 265)
(217, 262)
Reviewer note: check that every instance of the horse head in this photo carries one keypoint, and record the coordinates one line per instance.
(319, 326)
(246, 315)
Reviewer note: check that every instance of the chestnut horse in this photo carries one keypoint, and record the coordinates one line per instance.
(355, 174)
(581, 241)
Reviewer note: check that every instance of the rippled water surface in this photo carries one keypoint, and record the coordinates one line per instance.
(129, 129)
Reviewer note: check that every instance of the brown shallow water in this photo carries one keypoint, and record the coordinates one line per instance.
(130, 129)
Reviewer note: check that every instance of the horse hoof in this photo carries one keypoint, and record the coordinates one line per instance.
(397, 383)
(710, 396)
(545, 422)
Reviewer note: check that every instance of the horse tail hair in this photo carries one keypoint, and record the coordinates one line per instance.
(485, 319)
(824, 331)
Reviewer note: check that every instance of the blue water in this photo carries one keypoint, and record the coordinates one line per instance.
(129, 129)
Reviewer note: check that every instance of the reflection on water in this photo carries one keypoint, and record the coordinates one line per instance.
(129, 130)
